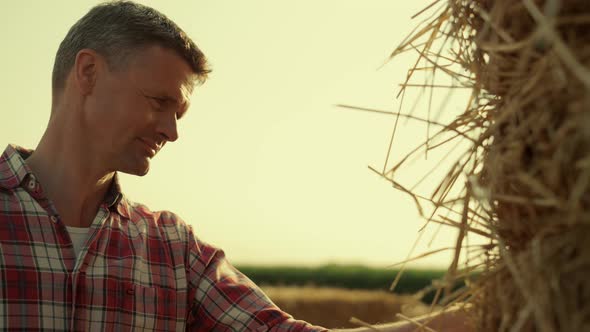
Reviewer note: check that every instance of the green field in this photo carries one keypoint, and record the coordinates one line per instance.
(343, 276)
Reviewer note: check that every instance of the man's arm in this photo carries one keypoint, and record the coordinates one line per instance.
(449, 320)
(222, 298)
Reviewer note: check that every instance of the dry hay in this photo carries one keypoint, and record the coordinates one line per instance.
(525, 178)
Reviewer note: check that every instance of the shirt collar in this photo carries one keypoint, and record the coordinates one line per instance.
(14, 170)
(114, 198)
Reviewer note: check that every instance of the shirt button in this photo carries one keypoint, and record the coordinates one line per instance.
(54, 219)
(32, 184)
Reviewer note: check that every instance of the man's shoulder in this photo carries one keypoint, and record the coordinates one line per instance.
(162, 221)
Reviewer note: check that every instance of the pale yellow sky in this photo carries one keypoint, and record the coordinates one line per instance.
(266, 167)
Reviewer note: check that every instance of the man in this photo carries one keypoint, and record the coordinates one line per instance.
(75, 253)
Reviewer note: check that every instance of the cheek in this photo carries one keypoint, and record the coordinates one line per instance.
(138, 118)
(127, 111)
(108, 113)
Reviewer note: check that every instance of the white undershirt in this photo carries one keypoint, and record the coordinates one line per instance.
(78, 236)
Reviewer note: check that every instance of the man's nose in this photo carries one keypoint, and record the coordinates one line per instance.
(168, 128)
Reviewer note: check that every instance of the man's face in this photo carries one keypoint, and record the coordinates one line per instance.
(133, 111)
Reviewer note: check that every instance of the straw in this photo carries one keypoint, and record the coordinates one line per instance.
(524, 181)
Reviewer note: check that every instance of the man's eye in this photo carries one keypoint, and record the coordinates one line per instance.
(158, 102)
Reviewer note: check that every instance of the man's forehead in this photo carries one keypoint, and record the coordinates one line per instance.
(187, 88)
(184, 93)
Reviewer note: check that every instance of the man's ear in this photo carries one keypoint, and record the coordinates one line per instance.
(85, 70)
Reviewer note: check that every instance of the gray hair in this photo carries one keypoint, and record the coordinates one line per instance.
(117, 29)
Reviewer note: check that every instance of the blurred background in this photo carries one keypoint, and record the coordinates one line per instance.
(267, 166)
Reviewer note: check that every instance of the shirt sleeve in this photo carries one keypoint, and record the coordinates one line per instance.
(224, 299)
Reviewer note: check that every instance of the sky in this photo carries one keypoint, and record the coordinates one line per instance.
(267, 167)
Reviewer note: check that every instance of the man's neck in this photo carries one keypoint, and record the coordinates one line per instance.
(70, 177)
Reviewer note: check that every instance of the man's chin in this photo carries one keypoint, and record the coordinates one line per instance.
(139, 173)
(139, 170)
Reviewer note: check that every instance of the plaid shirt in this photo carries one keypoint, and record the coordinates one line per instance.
(138, 270)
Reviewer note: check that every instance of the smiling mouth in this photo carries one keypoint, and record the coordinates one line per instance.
(149, 148)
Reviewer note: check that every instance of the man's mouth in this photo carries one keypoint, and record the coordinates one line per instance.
(151, 148)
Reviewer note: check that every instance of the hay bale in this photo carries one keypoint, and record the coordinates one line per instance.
(527, 174)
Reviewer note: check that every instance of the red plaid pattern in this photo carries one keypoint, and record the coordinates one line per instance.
(138, 270)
